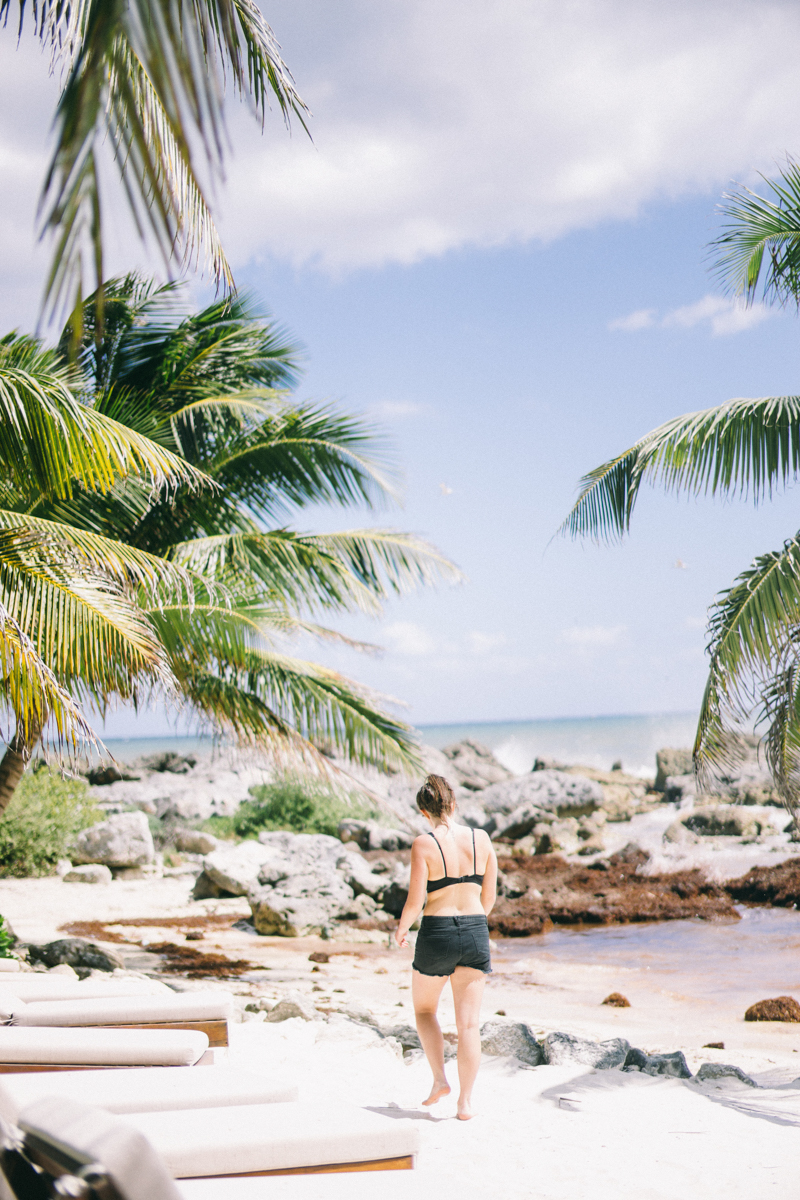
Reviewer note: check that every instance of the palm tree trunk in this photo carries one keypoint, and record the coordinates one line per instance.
(13, 762)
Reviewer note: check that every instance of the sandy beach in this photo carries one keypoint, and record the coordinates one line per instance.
(556, 1132)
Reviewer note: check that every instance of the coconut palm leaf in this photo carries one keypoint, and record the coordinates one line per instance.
(353, 570)
(147, 67)
(743, 447)
(761, 240)
(32, 692)
(52, 442)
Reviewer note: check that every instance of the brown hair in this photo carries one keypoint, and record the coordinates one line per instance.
(436, 797)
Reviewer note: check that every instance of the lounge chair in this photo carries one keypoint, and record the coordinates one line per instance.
(48, 1049)
(207, 1012)
(140, 1152)
(143, 1089)
(39, 985)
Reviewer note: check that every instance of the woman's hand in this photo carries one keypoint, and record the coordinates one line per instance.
(401, 937)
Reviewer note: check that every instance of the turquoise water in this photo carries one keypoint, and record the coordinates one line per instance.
(593, 741)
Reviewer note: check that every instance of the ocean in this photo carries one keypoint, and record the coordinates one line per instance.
(591, 741)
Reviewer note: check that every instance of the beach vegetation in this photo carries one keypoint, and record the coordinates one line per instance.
(299, 805)
(740, 449)
(41, 820)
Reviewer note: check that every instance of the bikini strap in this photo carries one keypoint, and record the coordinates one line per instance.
(441, 851)
(474, 861)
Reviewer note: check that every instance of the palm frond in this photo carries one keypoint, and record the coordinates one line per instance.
(347, 571)
(751, 642)
(49, 438)
(743, 447)
(761, 240)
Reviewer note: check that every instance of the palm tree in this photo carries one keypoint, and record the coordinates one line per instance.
(70, 623)
(210, 389)
(740, 448)
(145, 80)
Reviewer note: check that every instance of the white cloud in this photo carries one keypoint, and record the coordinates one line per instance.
(448, 123)
(409, 640)
(592, 635)
(643, 318)
(483, 643)
(723, 317)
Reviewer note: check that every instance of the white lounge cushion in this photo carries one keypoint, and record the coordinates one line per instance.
(126, 1010)
(142, 1089)
(9, 965)
(90, 1135)
(36, 985)
(99, 1047)
(238, 1140)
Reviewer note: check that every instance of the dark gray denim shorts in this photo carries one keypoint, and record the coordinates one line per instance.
(444, 943)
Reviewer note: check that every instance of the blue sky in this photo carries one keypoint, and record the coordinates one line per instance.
(496, 247)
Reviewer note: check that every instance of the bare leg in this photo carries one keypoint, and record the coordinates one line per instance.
(467, 985)
(425, 992)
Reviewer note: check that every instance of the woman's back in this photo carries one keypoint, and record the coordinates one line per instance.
(456, 858)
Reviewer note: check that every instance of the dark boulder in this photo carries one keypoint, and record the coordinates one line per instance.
(673, 1065)
(81, 955)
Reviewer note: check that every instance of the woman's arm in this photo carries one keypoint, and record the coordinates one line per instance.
(417, 893)
(489, 889)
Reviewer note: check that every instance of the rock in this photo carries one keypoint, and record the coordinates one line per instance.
(62, 866)
(617, 1000)
(234, 869)
(195, 841)
(561, 1048)
(474, 766)
(557, 836)
(674, 1065)
(301, 905)
(711, 1071)
(107, 773)
(206, 889)
(396, 892)
(167, 760)
(405, 1035)
(369, 835)
(672, 762)
(513, 1038)
(678, 788)
(92, 873)
(124, 840)
(782, 1008)
(65, 970)
(319, 956)
(77, 953)
(519, 804)
(358, 875)
(512, 886)
(726, 820)
(295, 1004)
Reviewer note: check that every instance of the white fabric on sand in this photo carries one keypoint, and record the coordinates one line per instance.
(114, 1047)
(125, 1010)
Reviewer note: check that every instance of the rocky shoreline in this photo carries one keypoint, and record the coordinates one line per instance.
(576, 846)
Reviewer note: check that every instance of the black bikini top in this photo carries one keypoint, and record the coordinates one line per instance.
(435, 884)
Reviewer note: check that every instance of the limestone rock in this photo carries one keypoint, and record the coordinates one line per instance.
(91, 873)
(369, 835)
(473, 766)
(561, 1048)
(196, 841)
(721, 820)
(712, 1071)
(782, 1008)
(234, 869)
(358, 875)
(557, 837)
(512, 1038)
(673, 1065)
(123, 840)
(672, 762)
(300, 905)
(396, 892)
(405, 1035)
(295, 1004)
(518, 804)
(76, 953)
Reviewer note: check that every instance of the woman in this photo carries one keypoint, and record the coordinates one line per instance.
(453, 940)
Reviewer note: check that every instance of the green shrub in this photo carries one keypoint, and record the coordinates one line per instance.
(298, 805)
(45, 814)
(7, 940)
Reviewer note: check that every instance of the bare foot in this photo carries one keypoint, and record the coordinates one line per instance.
(437, 1092)
(465, 1112)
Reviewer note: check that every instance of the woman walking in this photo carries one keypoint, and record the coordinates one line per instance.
(454, 878)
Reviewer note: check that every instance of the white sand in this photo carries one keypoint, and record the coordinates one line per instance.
(625, 1136)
